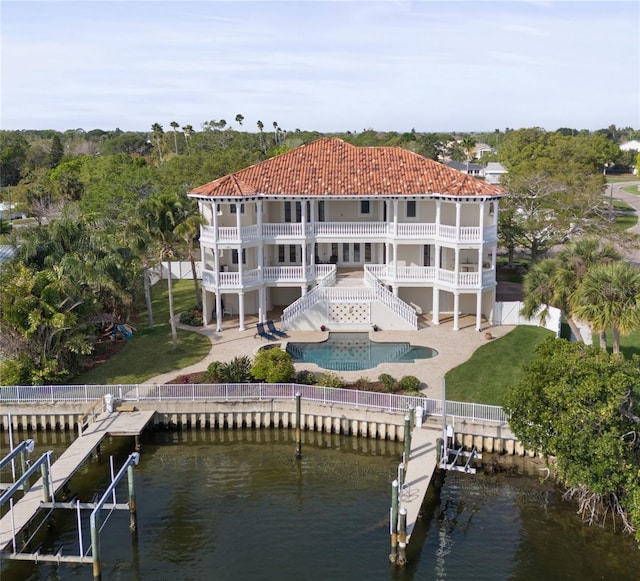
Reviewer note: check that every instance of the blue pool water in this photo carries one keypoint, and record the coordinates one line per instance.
(355, 352)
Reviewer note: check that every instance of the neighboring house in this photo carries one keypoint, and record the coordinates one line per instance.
(493, 172)
(414, 235)
(630, 146)
(481, 149)
(473, 169)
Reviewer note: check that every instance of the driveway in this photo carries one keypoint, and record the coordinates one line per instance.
(633, 200)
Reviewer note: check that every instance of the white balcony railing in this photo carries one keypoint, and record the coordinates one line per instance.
(270, 274)
(347, 230)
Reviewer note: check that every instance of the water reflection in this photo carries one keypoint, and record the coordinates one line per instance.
(237, 505)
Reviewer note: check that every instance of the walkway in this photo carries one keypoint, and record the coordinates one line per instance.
(422, 465)
(114, 424)
(634, 201)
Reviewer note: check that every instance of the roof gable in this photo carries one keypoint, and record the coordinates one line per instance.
(332, 167)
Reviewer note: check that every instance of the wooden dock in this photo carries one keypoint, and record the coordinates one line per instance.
(113, 424)
(422, 464)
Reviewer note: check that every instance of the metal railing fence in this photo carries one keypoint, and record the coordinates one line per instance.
(250, 391)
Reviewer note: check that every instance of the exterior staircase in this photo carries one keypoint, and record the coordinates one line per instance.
(349, 301)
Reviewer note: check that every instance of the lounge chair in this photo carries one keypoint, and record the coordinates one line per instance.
(264, 334)
(272, 329)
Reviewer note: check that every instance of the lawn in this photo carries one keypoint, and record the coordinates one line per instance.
(614, 179)
(150, 352)
(495, 366)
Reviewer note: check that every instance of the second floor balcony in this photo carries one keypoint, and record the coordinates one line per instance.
(274, 233)
(386, 274)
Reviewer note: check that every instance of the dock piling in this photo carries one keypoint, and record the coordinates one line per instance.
(402, 537)
(401, 474)
(298, 425)
(393, 556)
(133, 515)
(407, 438)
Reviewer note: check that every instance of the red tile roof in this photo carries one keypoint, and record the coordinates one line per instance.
(332, 167)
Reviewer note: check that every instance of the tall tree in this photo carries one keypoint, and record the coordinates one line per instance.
(188, 230)
(239, 119)
(263, 145)
(162, 213)
(174, 126)
(553, 282)
(609, 298)
(468, 145)
(158, 136)
(57, 151)
(187, 130)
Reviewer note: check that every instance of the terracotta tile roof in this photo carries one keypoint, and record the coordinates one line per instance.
(332, 167)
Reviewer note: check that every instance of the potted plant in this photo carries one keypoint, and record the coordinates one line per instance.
(375, 327)
(323, 328)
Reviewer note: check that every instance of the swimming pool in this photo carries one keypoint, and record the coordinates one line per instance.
(355, 352)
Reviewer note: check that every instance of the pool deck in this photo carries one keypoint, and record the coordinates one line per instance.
(453, 347)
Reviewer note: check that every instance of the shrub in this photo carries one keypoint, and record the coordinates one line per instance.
(306, 377)
(331, 380)
(192, 317)
(387, 381)
(410, 383)
(214, 373)
(273, 366)
(238, 370)
(362, 383)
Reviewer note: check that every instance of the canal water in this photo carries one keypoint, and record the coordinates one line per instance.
(237, 505)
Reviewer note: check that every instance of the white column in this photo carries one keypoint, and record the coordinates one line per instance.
(435, 317)
(218, 311)
(395, 260)
(395, 290)
(303, 290)
(262, 304)
(216, 257)
(456, 311)
(438, 205)
(479, 311)
(458, 208)
(481, 249)
(241, 308)
(395, 217)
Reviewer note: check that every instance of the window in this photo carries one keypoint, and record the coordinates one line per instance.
(365, 207)
(345, 253)
(281, 254)
(234, 208)
(288, 212)
(367, 251)
(321, 217)
(411, 209)
(292, 253)
(234, 256)
(356, 252)
(426, 255)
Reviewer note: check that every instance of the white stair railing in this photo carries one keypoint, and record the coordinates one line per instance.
(391, 301)
(311, 298)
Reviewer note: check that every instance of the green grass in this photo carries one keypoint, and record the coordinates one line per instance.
(150, 352)
(614, 179)
(492, 369)
(631, 190)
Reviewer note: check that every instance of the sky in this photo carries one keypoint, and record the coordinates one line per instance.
(328, 66)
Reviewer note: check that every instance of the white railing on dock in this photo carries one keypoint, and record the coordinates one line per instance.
(250, 391)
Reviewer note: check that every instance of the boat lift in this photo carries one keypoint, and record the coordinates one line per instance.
(92, 553)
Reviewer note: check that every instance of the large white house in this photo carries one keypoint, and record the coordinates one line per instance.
(415, 236)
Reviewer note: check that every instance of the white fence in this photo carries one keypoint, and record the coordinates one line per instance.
(250, 391)
(509, 313)
(179, 270)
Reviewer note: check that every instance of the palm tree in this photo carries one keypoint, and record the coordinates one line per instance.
(162, 213)
(261, 129)
(542, 291)
(575, 260)
(174, 126)
(609, 297)
(187, 130)
(188, 230)
(158, 134)
(239, 119)
(468, 145)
